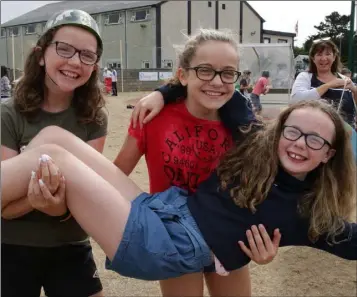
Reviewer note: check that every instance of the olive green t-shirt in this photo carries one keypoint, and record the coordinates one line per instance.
(36, 228)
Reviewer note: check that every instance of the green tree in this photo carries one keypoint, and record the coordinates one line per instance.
(336, 27)
(300, 51)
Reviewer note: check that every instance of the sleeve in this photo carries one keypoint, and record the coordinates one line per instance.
(236, 112)
(301, 89)
(345, 246)
(9, 133)
(96, 130)
(139, 135)
(172, 93)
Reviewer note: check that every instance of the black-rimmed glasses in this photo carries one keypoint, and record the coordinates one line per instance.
(67, 51)
(313, 141)
(208, 74)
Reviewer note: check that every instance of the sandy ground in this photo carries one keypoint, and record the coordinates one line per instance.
(294, 272)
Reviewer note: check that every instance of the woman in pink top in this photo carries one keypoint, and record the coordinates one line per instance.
(261, 87)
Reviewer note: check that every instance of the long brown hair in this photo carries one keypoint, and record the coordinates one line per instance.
(88, 99)
(319, 47)
(254, 165)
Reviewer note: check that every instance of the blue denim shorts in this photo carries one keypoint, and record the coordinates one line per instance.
(161, 239)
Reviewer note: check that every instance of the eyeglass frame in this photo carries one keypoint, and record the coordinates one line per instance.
(197, 68)
(305, 135)
(75, 52)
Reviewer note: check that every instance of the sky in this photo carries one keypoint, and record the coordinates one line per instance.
(279, 15)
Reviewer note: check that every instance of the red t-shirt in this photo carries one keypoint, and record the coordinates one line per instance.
(260, 86)
(180, 149)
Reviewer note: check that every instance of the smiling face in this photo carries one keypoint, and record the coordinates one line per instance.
(324, 59)
(68, 74)
(210, 95)
(295, 156)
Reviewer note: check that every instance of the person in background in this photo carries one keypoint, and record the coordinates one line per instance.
(323, 80)
(107, 75)
(245, 86)
(114, 81)
(261, 87)
(5, 84)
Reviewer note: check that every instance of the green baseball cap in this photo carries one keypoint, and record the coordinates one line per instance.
(75, 17)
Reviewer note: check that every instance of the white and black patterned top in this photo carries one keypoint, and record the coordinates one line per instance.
(304, 88)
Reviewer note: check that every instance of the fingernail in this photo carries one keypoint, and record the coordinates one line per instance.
(41, 182)
(33, 174)
(45, 158)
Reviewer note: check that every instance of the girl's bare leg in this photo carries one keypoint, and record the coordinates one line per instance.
(88, 155)
(236, 284)
(97, 205)
(189, 285)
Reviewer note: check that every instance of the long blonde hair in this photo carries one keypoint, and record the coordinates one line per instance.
(187, 52)
(254, 162)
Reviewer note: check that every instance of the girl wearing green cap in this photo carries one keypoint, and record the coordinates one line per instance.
(41, 245)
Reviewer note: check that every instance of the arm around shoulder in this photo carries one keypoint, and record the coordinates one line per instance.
(345, 245)
(171, 93)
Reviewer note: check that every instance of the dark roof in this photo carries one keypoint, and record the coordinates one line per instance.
(254, 11)
(43, 13)
(279, 33)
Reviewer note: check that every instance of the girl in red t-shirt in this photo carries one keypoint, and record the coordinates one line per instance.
(185, 142)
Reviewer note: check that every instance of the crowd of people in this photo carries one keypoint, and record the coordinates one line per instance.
(226, 187)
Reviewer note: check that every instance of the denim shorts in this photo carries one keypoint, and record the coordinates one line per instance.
(161, 239)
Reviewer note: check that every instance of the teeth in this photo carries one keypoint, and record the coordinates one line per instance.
(213, 93)
(295, 156)
(70, 74)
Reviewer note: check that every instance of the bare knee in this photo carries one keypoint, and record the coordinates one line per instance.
(55, 151)
(49, 135)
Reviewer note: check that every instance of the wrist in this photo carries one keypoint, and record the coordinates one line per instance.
(56, 211)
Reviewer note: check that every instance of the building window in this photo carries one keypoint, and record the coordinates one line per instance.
(168, 63)
(115, 65)
(3, 32)
(266, 39)
(140, 15)
(113, 19)
(30, 29)
(223, 6)
(282, 41)
(209, 3)
(14, 31)
(145, 64)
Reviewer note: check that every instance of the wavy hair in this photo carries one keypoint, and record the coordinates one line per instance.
(29, 92)
(253, 164)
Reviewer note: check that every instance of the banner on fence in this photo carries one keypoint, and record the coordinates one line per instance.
(165, 75)
(148, 76)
